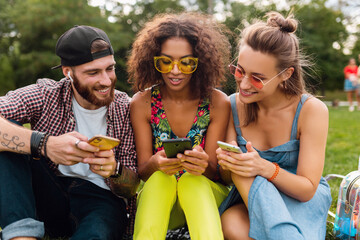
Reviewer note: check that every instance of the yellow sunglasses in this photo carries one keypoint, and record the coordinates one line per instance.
(186, 65)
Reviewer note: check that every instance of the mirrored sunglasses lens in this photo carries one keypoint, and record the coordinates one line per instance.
(256, 83)
(187, 65)
(163, 65)
(236, 71)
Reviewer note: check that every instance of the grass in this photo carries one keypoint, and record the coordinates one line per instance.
(333, 95)
(342, 151)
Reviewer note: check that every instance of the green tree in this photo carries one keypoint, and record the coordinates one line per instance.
(33, 27)
(321, 28)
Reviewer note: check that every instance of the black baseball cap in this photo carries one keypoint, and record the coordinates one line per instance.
(74, 46)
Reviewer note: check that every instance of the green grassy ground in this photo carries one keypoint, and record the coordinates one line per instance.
(342, 151)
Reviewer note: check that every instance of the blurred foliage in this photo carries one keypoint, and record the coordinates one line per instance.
(29, 30)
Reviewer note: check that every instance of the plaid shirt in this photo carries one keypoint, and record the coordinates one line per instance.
(47, 106)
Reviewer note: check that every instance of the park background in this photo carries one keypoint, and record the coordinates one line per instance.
(328, 29)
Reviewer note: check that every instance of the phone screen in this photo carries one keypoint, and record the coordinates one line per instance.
(174, 146)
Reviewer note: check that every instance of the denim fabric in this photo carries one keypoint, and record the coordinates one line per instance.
(33, 197)
(24, 227)
(349, 86)
(274, 215)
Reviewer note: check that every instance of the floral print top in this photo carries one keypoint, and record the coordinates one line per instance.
(161, 128)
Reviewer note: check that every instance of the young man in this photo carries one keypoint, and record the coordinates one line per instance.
(52, 180)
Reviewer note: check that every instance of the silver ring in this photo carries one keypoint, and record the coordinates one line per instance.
(77, 142)
(101, 167)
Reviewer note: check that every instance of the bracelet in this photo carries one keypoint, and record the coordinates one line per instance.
(36, 142)
(45, 142)
(118, 170)
(275, 173)
(40, 146)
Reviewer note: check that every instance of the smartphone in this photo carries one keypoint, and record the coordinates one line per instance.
(174, 146)
(229, 147)
(104, 142)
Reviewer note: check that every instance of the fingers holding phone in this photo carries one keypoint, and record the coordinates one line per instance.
(229, 147)
(194, 161)
(103, 163)
(230, 156)
(63, 149)
(167, 165)
(104, 142)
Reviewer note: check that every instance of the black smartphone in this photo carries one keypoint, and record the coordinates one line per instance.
(174, 146)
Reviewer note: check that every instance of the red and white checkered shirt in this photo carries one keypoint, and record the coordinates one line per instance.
(47, 106)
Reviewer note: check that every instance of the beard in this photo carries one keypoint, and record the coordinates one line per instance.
(87, 92)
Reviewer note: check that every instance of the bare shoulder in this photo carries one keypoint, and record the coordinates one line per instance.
(314, 115)
(140, 105)
(219, 98)
(314, 106)
(141, 99)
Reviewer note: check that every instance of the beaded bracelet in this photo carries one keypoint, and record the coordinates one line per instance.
(275, 173)
(45, 145)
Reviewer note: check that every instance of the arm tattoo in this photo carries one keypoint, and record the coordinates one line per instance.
(12, 142)
(126, 184)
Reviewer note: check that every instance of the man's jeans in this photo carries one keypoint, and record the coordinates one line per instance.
(33, 198)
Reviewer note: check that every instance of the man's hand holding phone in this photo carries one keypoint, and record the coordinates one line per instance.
(104, 142)
(104, 162)
(69, 148)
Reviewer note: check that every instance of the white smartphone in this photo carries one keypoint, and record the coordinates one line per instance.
(229, 147)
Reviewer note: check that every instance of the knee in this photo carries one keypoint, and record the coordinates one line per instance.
(235, 223)
(189, 181)
(102, 231)
(159, 178)
(14, 166)
(12, 160)
(159, 184)
(191, 185)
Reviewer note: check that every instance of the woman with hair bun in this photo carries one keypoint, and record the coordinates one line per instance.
(278, 192)
(176, 62)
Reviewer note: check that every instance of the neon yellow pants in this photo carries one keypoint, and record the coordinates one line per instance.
(165, 203)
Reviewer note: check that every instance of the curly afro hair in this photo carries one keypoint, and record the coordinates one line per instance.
(209, 44)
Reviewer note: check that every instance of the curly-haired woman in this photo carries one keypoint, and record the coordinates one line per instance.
(176, 62)
(279, 192)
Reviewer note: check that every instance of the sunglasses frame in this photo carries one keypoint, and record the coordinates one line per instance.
(196, 60)
(256, 78)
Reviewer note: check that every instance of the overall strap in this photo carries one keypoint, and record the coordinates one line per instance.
(235, 113)
(295, 121)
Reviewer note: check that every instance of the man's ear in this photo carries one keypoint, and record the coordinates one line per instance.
(66, 71)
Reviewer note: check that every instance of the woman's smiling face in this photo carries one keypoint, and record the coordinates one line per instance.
(176, 48)
(261, 66)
